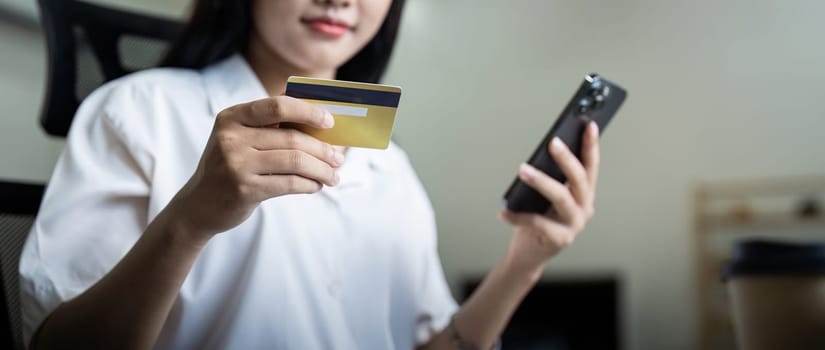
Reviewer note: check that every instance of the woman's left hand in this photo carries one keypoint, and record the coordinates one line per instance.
(540, 237)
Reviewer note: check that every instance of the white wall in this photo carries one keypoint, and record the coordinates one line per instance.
(717, 90)
(25, 152)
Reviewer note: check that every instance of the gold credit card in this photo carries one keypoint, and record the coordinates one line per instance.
(364, 113)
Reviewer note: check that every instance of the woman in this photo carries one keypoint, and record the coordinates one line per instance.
(181, 216)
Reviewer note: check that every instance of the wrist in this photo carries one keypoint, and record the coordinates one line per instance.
(179, 229)
(523, 271)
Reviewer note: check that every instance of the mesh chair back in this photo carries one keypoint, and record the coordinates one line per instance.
(17, 211)
(89, 45)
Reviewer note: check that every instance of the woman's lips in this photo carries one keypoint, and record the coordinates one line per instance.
(327, 27)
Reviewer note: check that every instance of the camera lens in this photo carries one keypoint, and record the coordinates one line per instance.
(584, 104)
(605, 91)
(599, 100)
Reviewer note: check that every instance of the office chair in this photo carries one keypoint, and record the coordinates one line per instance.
(88, 45)
(18, 208)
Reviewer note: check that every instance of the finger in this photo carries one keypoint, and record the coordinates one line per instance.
(267, 139)
(563, 202)
(572, 169)
(553, 230)
(282, 109)
(278, 185)
(529, 219)
(590, 153)
(293, 162)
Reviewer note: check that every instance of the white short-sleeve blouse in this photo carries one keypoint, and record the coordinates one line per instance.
(352, 267)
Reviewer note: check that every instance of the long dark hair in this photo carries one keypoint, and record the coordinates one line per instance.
(220, 28)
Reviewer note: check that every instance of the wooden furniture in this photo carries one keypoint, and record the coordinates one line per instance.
(727, 211)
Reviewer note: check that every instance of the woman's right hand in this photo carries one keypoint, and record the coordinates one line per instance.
(249, 159)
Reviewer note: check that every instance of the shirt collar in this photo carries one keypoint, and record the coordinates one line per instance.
(232, 81)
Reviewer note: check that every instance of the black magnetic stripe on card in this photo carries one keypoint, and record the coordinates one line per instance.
(343, 94)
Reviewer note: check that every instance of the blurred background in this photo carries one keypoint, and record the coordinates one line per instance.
(724, 103)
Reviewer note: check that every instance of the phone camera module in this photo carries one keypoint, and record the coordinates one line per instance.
(585, 103)
(605, 91)
(599, 99)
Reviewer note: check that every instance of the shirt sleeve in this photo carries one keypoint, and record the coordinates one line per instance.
(93, 211)
(436, 304)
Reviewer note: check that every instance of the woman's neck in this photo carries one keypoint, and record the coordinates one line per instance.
(273, 70)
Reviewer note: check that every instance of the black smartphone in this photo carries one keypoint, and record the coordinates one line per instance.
(596, 99)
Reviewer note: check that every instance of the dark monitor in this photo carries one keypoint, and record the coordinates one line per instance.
(565, 314)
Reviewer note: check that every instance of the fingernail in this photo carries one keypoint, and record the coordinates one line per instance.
(329, 121)
(339, 157)
(502, 215)
(333, 155)
(556, 144)
(527, 171)
(595, 128)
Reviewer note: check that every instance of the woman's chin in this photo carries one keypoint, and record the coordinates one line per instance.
(322, 60)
